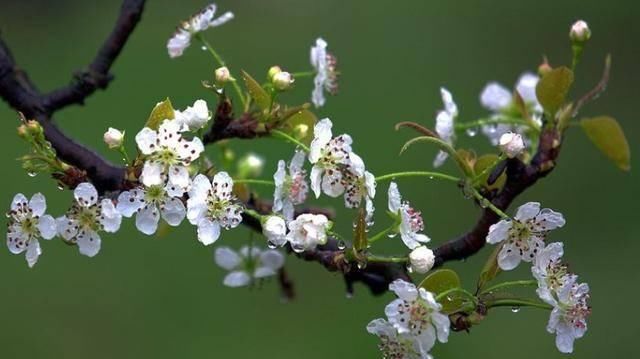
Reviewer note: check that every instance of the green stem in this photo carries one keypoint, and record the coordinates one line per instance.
(487, 169)
(253, 181)
(519, 303)
(516, 283)
(431, 175)
(486, 203)
(444, 146)
(303, 74)
(289, 138)
(380, 259)
(221, 63)
(444, 294)
(383, 233)
(491, 121)
(124, 154)
(254, 214)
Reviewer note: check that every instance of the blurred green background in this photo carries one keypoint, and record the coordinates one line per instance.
(163, 298)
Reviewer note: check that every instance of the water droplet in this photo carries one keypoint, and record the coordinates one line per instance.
(449, 299)
(272, 244)
(471, 131)
(431, 177)
(61, 187)
(31, 174)
(349, 295)
(203, 48)
(362, 265)
(493, 128)
(219, 91)
(515, 309)
(341, 245)
(370, 223)
(392, 234)
(409, 268)
(8, 214)
(297, 247)
(484, 203)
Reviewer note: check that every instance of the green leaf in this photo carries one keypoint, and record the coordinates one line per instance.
(300, 125)
(360, 232)
(608, 136)
(441, 281)
(162, 111)
(257, 93)
(553, 88)
(482, 163)
(490, 269)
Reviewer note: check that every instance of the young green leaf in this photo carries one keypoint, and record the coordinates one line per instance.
(608, 136)
(441, 281)
(162, 111)
(258, 94)
(553, 88)
(360, 232)
(300, 125)
(482, 164)
(490, 269)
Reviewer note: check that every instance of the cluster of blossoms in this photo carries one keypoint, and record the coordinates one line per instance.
(522, 239)
(414, 322)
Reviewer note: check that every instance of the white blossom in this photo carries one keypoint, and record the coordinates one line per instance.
(325, 66)
(523, 236)
(499, 100)
(308, 231)
(212, 206)
(511, 144)
(86, 218)
(550, 272)
(568, 319)
(291, 188)
(27, 223)
(394, 345)
(222, 75)
(149, 204)
(113, 138)
(410, 220)
(445, 124)
(332, 157)
(168, 155)
(282, 80)
(248, 265)
(417, 314)
(194, 117)
(199, 22)
(358, 188)
(275, 229)
(580, 31)
(422, 259)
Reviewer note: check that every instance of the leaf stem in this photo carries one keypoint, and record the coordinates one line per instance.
(486, 203)
(382, 233)
(254, 181)
(431, 175)
(289, 138)
(456, 290)
(221, 62)
(303, 74)
(516, 283)
(380, 259)
(519, 303)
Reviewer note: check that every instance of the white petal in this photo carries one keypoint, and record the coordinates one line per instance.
(322, 136)
(316, 180)
(169, 133)
(527, 211)
(227, 258)
(147, 220)
(370, 184)
(281, 174)
(447, 100)
(129, 202)
(404, 290)
(499, 232)
(495, 97)
(549, 219)
(526, 87)
(440, 158)
(509, 257)
(222, 19)
(208, 231)
(263, 272)
(190, 150)
(442, 324)
(445, 126)
(195, 210)
(237, 279)
(356, 164)
(38, 204)
(16, 242)
(297, 161)
(173, 212)
(47, 227)
(66, 228)
(18, 200)
(332, 184)
(272, 259)
(86, 194)
(222, 185)
(151, 174)
(110, 217)
(179, 176)
(33, 252)
(395, 200)
(200, 188)
(147, 140)
(89, 244)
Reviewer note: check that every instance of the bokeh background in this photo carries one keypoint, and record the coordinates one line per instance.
(162, 297)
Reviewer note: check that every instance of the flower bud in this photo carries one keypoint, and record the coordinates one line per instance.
(580, 31)
(273, 70)
(511, 144)
(422, 259)
(113, 138)
(250, 165)
(275, 229)
(282, 80)
(544, 68)
(222, 76)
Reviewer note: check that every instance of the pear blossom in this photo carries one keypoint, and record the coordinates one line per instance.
(550, 272)
(410, 220)
(325, 66)
(27, 223)
(358, 188)
(168, 155)
(417, 314)
(86, 218)
(291, 188)
(331, 158)
(113, 138)
(248, 265)
(149, 204)
(445, 122)
(511, 144)
(394, 345)
(194, 117)
(308, 231)
(422, 259)
(212, 206)
(499, 100)
(523, 236)
(275, 229)
(568, 319)
(199, 22)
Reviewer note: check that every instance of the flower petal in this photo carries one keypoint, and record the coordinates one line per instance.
(129, 202)
(147, 141)
(495, 97)
(33, 252)
(509, 257)
(89, 243)
(316, 179)
(147, 219)
(47, 227)
(237, 279)
(151, 174)
(208, 231)
(227, 258)
(86, 194)
(499, 232)
(110, 217)
(272, 259)
(527, 211)
(173, 211)
(18, 201)
(66, 227)
(38, 204)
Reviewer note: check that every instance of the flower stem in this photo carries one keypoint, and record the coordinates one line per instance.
(516, 283)
(449, 291)
(221, 63)
(431, 175)
(380, 259)
(254, 181)
(383, 233)
(303, 74)
(519, 303)
(254, 214)
(287, 137)
(125, 155)
(446, 147)
(486, 203)
(491, 121)
(488, 169)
